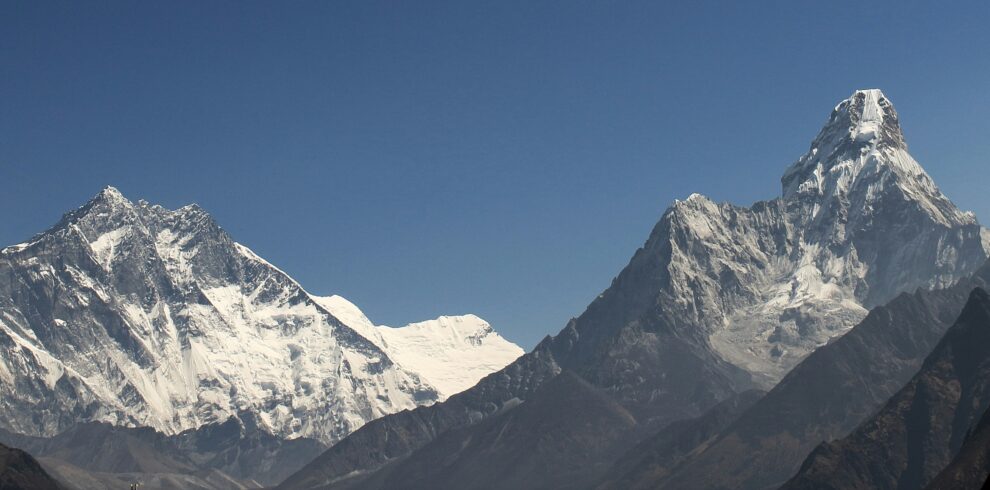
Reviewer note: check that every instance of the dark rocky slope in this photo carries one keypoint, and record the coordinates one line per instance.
(560, 438)
(971, 466)
(652, 459)
(823, 398)
(20, 471)
(917, 433)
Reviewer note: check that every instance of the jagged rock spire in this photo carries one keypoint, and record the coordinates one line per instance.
(859, 157)
(865, 122)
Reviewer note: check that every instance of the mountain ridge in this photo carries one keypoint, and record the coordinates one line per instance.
(721, 299)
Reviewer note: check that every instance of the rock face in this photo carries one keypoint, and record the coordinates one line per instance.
(135, 315)
(723, 298)
(917, 433)
(18, 470)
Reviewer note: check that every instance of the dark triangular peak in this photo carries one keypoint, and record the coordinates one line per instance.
(922, 427)
(20, 471)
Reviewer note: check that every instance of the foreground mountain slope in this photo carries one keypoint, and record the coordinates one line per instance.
(18, 470)
(722, 298)
(822, 398)
(970, 468)
(571, 430)
(650, 460)
(135, 315)
(919, 430)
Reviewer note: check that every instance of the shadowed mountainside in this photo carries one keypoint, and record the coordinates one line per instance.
(20, 471)
(917, 433)
(823, 398)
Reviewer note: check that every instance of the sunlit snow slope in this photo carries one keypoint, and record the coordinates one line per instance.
(451, 353)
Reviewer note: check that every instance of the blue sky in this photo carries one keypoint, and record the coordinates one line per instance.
(501, 158)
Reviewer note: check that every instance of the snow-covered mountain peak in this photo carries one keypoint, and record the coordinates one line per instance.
(451, 353)
(110, 203)
(137, 315)
(440, 349)
(111, 194)
(349, 313)
(858, 160)
(859, 129)
(107, 201)
(108, 206)
(858, 223)
(866, 117)
(693, 204)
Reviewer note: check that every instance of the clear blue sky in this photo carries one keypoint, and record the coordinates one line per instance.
(502, 158)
